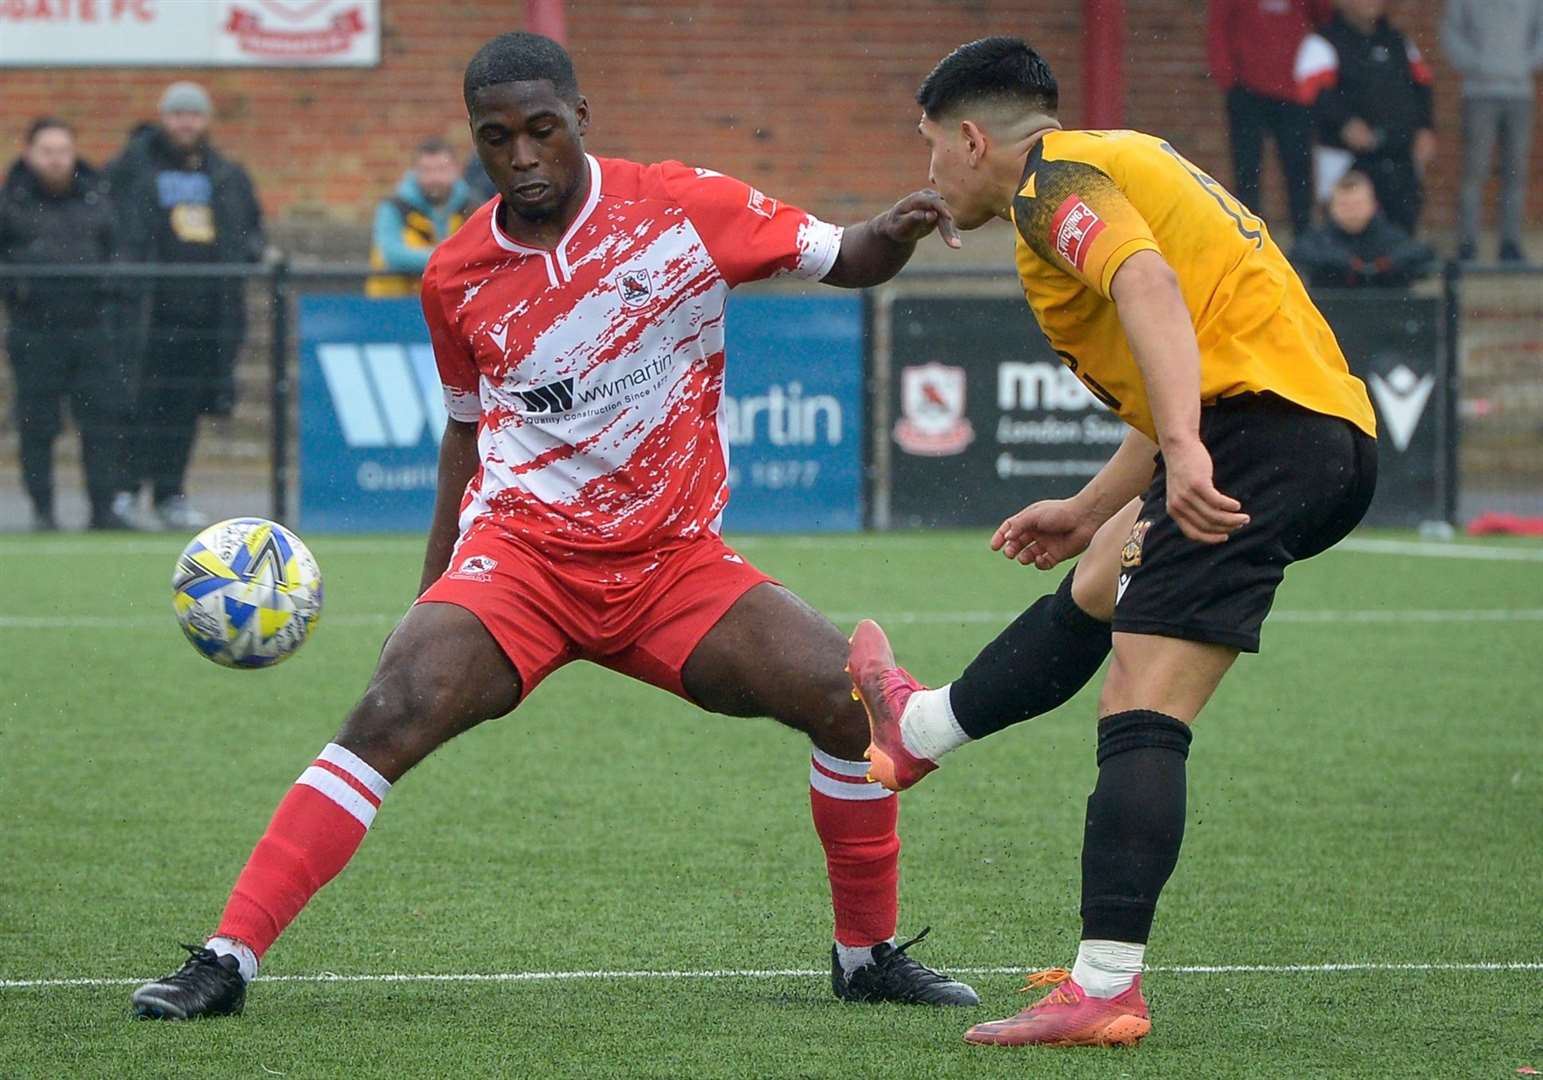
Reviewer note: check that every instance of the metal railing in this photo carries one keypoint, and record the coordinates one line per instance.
(269, 356)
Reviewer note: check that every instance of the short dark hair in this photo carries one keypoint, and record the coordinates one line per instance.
(433, 146)
(47, 123)
(521, 57)
(1001, 68)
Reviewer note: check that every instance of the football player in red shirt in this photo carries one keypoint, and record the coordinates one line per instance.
(577, 321)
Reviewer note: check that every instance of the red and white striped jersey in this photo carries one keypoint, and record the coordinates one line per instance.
(595, 369)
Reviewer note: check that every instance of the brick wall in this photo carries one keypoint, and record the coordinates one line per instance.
(811, 101)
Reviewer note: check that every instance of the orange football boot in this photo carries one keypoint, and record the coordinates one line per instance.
(1068, 1017)
(884, 688)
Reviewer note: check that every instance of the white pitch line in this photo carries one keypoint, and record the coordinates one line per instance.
(893, 618)
(790, 973)
(1432, 550)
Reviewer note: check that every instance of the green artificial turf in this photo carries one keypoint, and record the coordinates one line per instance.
(1369, 790)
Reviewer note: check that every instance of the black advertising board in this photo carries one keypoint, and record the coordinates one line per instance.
(984, 417)
(1393, 342)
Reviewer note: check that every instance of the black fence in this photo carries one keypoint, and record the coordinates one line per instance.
(1455, 367)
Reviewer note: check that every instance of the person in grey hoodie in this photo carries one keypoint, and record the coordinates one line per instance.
(1496, 45)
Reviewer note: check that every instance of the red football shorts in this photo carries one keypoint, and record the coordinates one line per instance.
(641, 615)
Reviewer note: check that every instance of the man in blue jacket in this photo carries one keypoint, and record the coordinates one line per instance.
(429, 204)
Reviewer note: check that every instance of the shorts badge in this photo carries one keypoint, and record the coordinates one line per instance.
(1130, 554)
(475, 568)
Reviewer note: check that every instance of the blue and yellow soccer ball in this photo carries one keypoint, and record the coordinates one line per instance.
(247, 593)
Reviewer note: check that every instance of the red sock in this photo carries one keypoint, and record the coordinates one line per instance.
(313, 834)
(856, 822)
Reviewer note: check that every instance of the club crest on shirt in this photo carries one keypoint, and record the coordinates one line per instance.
(475, 568)
(932, 421)
(636, 287)
(1130, 554)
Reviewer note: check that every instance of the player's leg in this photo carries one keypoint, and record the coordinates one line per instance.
(1184, 612)
(1035, 665)
(1516, 149)
(1481, 121)
(770, 654)
(482, 636)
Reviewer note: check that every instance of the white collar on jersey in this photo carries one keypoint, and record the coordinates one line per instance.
(590, 202)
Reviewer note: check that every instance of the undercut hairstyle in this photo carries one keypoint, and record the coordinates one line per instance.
(434, 147)
(521, 57)
(47, 123)
(993, 70)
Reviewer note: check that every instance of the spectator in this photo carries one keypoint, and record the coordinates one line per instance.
(1253, 48)
(1358, 245)
(183, 202)
(1496, 45)
(1370, 93)
(53, 209)
(477, 180)
(430, 203)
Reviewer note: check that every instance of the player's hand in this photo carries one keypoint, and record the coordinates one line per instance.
(918, 214)
(1045, 533)
(1201, 512)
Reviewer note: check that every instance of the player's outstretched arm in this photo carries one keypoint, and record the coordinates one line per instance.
(1047, 533)
(874, 251)
(458, 460)
(1157, 324)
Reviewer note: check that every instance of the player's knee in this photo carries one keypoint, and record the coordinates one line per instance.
(1093, 589)
(838, 724)
(403, 715)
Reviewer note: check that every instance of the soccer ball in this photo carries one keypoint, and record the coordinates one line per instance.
(247, 592)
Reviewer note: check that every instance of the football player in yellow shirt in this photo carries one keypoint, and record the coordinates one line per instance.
(1251, 446)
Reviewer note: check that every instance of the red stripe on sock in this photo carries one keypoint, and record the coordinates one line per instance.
(862, 855)
(310, 839)
(350, 779)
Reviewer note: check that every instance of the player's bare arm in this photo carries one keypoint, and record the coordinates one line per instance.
(458, 462)
(876, 250)
(1047, 533)
(1157, 324)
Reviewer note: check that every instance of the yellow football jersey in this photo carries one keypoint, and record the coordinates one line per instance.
(1091, 199)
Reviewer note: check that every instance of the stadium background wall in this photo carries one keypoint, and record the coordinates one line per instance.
(810, 101)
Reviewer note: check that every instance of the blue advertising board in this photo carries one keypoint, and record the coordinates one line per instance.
(371, 414)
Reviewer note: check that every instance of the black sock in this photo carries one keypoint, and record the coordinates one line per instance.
(1035, 665)
(1135, 823)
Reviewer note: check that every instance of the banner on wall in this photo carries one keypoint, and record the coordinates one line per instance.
(371, 414)
(193, 33)
(987, 418)
(1392, 342)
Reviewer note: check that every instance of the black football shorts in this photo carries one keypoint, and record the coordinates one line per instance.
(1304, 479)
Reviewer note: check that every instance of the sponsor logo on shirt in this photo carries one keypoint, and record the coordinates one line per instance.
(554, 397)
(760, 204)
(1073, 230)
